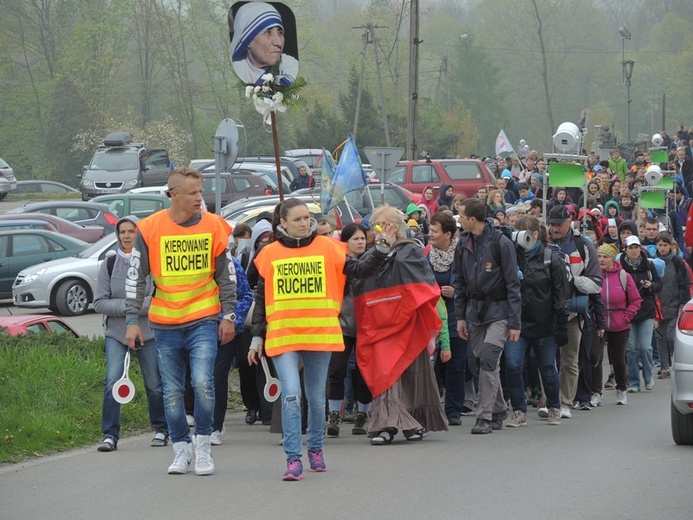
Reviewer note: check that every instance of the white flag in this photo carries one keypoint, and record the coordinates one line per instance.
(503, 143)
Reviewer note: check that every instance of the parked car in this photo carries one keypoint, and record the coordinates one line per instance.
(25, 248)
(79, 212)
(196, 164)
(152, 190)
(89, 234)
(465, 175)
(682, 379)
(34, 324)
(249, 216)
(65, 286)
(21, 223)
(7, 179)
(312, 156)
(234, 186)
(41, 186)
(139, 204)
(120, 165)
(368, 197)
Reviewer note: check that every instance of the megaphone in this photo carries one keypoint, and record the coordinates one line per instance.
(653, 175)
(657, 140)
(567, 137)
(524, 239)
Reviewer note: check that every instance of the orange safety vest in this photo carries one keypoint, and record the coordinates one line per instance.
(182, 264)
(304, 288)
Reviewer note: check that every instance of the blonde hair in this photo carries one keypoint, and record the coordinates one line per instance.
(392, 215)
(492, 195)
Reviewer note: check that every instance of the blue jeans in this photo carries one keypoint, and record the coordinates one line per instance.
(199, 341)
(110, 411)
(545, 352)
(315, 365)
(455, 374)
(639, 347)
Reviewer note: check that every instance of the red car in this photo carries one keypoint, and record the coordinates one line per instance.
(33, 324)
(89, 234)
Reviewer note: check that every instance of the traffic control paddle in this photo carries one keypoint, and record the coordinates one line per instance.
(273, 387)
(123, 389)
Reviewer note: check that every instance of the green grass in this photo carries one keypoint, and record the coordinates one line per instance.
(51, 390)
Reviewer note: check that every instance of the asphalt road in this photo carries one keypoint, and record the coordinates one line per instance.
(612, 463)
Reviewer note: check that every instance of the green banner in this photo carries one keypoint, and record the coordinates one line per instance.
(660, 156)
(652, 199)
(566, 175)
(666, 182)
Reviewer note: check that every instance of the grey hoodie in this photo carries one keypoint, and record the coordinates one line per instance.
(109, 297)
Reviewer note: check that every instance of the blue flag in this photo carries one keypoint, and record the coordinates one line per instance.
(349, 175)
(326, 174)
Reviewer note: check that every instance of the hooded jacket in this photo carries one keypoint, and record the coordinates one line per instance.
(443, 200)
(432, 205)
(250, 252)
(645, 270)
(620, 307)
(109, 296)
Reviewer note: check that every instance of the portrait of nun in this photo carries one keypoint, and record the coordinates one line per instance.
(261, 34)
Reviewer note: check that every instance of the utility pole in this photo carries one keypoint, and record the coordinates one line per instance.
(413, 79)
(369, 37)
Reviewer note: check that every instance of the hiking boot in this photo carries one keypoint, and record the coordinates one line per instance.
(497, 420)
(611, 381)
(596, 400)
(482, 426)
(360, 424)
(204, 465)
(349, 417)
(251, 417)
(333, 422)
(516, 420)
(621, 397)
(554, 418)
(108, 444)
(317, 462)
(182, 458)
(294, 470)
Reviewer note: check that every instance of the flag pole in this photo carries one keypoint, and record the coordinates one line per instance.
(277, 160)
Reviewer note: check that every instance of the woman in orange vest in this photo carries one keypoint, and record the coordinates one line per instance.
(297, 303)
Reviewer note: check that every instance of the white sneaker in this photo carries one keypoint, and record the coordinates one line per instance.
(543, 412)
(596, 400)
(650, 385)
(191, 420)
(565, 413)
(217, 436)
(182, 458)
(621, 397)
(203, 455)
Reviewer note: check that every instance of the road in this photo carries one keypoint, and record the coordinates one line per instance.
(612, 463)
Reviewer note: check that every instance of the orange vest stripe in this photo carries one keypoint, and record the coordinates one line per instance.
(304, 288)
(182, 265)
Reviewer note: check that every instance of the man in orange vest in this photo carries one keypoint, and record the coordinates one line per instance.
(185, 251)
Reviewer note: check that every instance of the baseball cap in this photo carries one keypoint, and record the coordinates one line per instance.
(597, 168)
(559, 214)
(632, 240)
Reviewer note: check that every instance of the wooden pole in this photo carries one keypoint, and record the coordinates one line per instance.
(280, 182)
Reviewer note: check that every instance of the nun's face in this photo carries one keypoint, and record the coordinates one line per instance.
(267, 47)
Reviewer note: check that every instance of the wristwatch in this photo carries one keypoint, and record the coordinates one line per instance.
(230, 316)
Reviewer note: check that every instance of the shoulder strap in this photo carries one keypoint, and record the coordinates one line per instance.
(624, 283)
(580, 245)
(547, 258)
(110, 262)
(495, 245)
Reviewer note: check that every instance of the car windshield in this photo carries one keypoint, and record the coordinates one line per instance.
(115, 161)
(94, 248)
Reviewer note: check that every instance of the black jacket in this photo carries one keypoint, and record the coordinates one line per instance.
(644, 271)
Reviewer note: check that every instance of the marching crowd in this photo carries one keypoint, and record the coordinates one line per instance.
(404, 322)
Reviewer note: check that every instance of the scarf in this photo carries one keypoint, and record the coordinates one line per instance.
(442, 260)
(531, 253)
(627, 260)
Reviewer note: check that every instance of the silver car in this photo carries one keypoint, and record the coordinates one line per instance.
(66, 286)
(682, 379)
(7, 179)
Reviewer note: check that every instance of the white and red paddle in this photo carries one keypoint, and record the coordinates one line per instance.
(273, 387)
(123, 389)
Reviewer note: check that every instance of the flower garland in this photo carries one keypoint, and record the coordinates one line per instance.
(270, 96)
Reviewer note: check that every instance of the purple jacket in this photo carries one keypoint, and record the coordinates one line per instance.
(619, 309)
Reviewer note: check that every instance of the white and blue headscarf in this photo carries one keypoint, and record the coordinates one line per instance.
(252, 19)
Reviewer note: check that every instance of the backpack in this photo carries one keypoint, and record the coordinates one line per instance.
(110, 262)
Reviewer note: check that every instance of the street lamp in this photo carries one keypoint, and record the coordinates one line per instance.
(625, 35)
(628, 74)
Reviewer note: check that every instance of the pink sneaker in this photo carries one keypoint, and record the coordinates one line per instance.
(294, 470)
(317, 462)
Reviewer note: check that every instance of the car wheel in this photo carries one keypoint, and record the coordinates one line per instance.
(72, 298)
(681, 427)
(3, 195)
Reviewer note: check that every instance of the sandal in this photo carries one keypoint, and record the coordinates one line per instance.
(107, 444)
(415, 435)
(159, 440)
(384, 437)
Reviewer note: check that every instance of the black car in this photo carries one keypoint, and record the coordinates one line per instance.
(79, 212)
